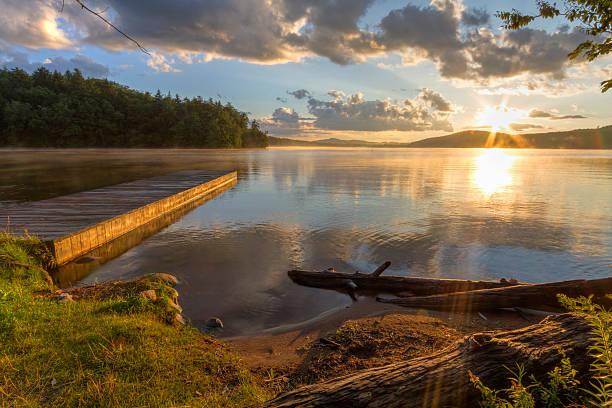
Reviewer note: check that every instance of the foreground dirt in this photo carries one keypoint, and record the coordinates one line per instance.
(369, 342)
(363, 334)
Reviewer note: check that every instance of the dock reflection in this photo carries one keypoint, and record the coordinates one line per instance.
(74, 271)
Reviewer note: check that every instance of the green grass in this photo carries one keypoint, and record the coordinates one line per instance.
(115, 352)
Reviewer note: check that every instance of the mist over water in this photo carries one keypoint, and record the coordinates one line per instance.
(533, 215)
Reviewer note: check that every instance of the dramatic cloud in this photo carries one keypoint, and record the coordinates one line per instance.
(536, 113)
(518, 52)
(427, 111)
(32, 24)
(273, 31)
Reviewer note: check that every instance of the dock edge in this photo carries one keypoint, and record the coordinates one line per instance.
(81, 242)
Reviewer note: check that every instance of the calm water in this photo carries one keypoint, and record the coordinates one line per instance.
(533, 215)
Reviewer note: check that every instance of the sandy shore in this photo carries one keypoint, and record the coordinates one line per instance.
(282, 348)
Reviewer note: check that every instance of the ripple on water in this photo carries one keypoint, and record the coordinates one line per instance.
(447, 213)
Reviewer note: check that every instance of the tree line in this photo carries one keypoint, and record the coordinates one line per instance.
(51, 109)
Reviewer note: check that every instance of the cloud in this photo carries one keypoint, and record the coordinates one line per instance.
(160, 63)
(521, 127)
(285, 121)
(11, 58)
(536, 113)
(577, 79)
(285, 116)
(570, 117)
(275, 31)
(514, 53)
(435, 100)
(427, 111)
(475, 17)
(32, 24)
(299, 93)
(432, 32)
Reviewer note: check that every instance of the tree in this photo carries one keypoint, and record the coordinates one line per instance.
(67, 110)
(594, 17)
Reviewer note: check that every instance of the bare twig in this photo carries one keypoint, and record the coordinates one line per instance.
(110, 24)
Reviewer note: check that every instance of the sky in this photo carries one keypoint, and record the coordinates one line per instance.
(377, 70)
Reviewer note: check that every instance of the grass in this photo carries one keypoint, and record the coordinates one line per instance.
(105, 352)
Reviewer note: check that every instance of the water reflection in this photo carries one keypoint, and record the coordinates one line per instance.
(464, 213)
(492, 171)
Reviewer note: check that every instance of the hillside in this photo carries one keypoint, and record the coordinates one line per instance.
(331, 142)
(48, 109)
(600, 138)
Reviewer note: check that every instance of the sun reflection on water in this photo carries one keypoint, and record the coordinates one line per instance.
(492, 171)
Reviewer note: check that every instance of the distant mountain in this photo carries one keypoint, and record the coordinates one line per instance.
(331, 142)
(600, 138)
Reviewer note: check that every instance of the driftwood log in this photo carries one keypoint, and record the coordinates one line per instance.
(543, 294)
(441, 380)
(374, 283)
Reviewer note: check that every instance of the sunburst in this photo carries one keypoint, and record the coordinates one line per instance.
(498, 117)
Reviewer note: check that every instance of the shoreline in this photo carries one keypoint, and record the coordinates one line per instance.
(128, 339)
(279, 347)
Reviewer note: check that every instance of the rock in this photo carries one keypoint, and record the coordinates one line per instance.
(174, 296)
(178, 319)
(149, 294)
(214, 323)
(65, 298)
(176, 307)
(162, 277)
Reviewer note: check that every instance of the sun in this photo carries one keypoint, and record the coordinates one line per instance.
(498, 117)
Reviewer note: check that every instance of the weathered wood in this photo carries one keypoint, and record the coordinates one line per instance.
(543, 294)
(77, 223)
(380, 269)
(441, 380)
(388, 284)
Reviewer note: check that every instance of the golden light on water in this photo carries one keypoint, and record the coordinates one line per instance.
(492, 171)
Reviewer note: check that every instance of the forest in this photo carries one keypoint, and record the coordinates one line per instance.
(51, 109)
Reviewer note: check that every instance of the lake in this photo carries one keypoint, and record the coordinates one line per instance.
(532, 215)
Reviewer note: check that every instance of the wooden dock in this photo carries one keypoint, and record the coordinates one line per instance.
(75, 224)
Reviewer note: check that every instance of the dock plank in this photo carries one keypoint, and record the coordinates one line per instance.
(118, 209)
